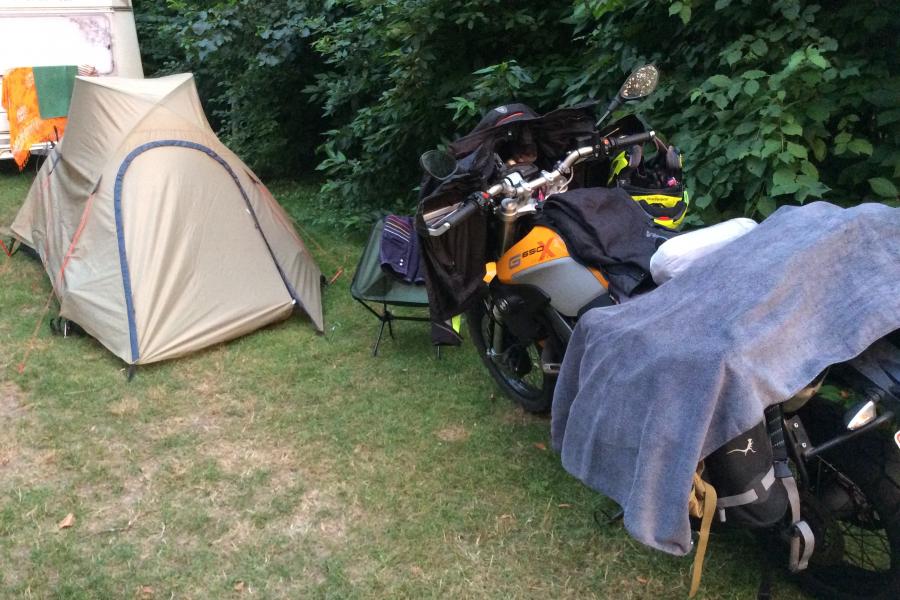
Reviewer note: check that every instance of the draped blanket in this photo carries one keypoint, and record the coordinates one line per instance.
(651, 386)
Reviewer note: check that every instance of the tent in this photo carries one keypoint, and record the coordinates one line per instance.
(157, 239)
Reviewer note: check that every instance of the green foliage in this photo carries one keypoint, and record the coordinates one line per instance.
(251, 61)
(772, 102)
(393, 78)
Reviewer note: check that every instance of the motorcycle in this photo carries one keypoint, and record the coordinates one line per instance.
(843, 530)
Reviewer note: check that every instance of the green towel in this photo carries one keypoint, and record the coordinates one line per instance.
(54, 89)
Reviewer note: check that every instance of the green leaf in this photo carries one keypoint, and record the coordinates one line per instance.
(720, 4)
(883, 187)
(783, 177)
(797, 150)
(796, 58)
(753, 74)
(784, 182)
(751, 87)
(720, 101)
(745, 128)
(887, 117)
(735, 151)
(766, 206)
(860, 146)
(759, 47)
(816, 58)
(809, 169)
(819, 149)
(675, 8)
(756, 166)
(704, 175)
(791, 129)
(817, 112)
(770, 148)
(685, 14)
(721, 81)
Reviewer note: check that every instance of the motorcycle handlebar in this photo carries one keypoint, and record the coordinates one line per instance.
(604, 147)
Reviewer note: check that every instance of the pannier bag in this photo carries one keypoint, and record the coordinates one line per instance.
(749, 494)
(754, 488)
(744, 490)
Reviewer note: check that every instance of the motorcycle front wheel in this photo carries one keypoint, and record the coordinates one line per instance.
(853, 507)
(518, 370)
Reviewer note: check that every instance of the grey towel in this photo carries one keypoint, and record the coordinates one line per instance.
(649, 387)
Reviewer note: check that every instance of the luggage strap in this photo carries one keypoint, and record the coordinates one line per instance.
(801, 532)
(707, 495)
(757, 488)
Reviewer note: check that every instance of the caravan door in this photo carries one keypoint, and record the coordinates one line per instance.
(37, 33)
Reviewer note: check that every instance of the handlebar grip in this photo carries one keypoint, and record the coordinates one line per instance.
(465, 211)
(628, 140)
(468, 208)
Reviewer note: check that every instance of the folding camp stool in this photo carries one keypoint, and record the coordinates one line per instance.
(372, 285)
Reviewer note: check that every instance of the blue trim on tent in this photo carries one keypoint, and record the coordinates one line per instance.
(123, 258)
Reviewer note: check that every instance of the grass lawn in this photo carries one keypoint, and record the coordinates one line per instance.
(290, 465)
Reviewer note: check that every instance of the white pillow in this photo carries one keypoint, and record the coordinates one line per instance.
(676, 254)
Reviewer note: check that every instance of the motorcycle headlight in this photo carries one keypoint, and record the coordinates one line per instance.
(860, 414)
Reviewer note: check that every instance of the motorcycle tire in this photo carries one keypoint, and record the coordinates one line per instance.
(853, 507)
(519, 372)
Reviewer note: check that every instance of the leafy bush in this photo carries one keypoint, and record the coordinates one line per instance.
(251, 61)
(772, 102)
(392, 67)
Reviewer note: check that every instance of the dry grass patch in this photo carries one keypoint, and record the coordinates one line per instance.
(453, 433)
(11, 401)
(515, 415)
(127, 406)
(19, 461)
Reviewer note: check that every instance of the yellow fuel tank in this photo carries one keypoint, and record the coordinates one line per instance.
(542, 259)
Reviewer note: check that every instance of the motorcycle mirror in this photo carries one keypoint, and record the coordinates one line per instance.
(438, 163)
(639, 84)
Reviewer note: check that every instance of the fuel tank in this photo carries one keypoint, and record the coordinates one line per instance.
(542, 259)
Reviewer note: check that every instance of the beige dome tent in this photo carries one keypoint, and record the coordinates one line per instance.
(158, 240)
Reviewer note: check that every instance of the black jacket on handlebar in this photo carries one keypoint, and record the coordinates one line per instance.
(454, 262)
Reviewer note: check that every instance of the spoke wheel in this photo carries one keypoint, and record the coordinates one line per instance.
(853, 507)
(518, 368)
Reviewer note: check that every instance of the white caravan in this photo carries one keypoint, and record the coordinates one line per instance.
(38, 33)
